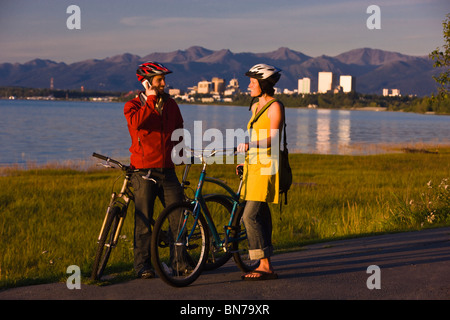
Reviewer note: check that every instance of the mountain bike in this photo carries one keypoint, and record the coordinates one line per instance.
(185, 235)
(116, 212)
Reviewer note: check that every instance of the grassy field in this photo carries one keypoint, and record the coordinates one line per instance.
(50, 217)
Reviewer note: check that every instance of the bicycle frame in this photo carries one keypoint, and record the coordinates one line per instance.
(200, 203)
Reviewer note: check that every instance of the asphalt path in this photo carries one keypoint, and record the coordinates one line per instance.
(411, 266)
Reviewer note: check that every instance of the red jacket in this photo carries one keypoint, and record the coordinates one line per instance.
(151, 132)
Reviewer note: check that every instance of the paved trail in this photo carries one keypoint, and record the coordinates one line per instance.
(412, 265)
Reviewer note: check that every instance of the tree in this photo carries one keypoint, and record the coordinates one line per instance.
(442, 60)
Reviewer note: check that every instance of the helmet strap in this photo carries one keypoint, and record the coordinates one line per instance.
(258, 96)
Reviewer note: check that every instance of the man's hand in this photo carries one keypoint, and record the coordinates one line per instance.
(148, 89)
(150, 92)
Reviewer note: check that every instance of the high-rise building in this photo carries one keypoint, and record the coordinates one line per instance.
(204, 87)
(393, 92)
(218, 85)
(232, 88)
(347, 83)
(326, 82)
(234, 83)
(304, 86)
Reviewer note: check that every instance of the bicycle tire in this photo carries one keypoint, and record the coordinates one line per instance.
(105, 243)
(240, 247)
(176, 261)
(220, 209)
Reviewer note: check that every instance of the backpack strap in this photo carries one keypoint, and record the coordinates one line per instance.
(260, 112)
(284, 148)
(284, 127)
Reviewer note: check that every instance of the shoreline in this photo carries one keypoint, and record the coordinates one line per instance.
(357, 150)
(199, 103)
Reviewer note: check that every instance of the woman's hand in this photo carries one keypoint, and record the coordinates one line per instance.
(239, 169)
(242, 147)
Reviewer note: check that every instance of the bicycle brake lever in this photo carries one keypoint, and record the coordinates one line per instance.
(107, 165)
(147, 176)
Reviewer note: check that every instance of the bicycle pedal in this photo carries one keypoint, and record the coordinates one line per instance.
(231, 228)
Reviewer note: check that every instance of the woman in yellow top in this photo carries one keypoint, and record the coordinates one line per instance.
(261, 168)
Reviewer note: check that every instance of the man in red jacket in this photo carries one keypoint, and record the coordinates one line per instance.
(151, 118)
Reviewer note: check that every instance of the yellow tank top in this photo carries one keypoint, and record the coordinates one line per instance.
(261, 178)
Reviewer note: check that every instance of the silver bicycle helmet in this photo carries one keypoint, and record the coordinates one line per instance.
(267, 77)
(264, 72)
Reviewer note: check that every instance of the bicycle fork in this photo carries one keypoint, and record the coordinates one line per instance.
(122, 195)
(180, 241)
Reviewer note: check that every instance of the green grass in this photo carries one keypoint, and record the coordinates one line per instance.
(50, 218)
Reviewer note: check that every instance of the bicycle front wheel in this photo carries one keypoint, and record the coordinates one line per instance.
(180, 245)
(105, 243)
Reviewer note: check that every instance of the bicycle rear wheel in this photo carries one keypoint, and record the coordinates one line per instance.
(240, 245)
(220, 209)
(105, 243)
(179, 245)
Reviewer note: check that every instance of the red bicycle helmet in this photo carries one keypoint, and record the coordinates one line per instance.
(150, 69)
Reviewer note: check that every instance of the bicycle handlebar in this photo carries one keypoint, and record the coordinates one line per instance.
(108, 159)
(149, 175)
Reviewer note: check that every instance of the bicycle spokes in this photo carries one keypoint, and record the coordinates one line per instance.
(179, 246)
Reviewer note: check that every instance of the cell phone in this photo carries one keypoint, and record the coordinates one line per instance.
(146, 84)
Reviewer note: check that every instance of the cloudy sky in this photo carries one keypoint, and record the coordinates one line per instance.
(38, 29)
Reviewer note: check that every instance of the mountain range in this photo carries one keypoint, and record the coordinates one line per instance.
(373, 70)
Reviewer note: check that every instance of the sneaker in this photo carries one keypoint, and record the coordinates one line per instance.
(146, 274)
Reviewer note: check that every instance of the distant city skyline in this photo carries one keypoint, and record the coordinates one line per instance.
(38, 29)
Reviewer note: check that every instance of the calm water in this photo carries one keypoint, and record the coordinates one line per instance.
(55, 131)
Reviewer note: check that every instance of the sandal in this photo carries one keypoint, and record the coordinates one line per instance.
(262, 276)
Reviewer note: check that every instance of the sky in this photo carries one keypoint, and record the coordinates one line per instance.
(38, 29)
